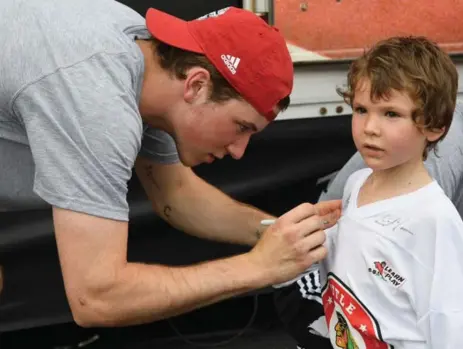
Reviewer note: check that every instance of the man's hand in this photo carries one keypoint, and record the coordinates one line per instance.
(104, 289)
(329, 211)
(294, 242)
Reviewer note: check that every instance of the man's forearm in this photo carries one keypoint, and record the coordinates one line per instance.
(208, 213)
(145, 293)
(194, 206)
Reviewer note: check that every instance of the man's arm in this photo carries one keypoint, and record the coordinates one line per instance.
(104, 289)
(190, 204)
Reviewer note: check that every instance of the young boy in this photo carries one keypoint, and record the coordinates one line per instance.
(393, 277)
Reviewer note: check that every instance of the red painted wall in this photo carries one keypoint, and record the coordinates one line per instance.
(341, 29)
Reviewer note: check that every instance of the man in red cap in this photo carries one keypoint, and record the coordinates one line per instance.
(90, 91)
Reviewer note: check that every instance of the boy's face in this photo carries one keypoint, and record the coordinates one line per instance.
(383, 129)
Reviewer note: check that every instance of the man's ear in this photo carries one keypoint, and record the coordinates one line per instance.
(196, 85)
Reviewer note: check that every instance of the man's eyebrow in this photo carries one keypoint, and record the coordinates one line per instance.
(250, 125)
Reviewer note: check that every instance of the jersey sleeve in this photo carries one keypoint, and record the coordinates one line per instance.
(443, 322)
(84, 131)
(355, 180)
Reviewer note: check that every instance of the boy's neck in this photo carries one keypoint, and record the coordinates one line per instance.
(386, 184)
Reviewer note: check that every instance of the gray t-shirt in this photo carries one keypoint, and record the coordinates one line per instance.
(446, 167)
(70, 130)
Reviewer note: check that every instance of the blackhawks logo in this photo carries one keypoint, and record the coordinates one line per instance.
(351, 325)
(344, 338)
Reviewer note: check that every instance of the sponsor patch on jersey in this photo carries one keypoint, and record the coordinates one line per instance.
(384, 271)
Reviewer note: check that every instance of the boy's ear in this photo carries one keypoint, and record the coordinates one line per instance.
(434, 134)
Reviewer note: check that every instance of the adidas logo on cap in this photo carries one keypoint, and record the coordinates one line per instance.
(214, 13)
(231, 62)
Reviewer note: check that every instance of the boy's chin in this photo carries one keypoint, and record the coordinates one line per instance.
(376, 164)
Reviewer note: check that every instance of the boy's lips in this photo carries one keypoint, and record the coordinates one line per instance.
(372, 147)
(371, 150)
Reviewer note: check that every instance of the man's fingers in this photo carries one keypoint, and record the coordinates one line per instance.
(327, 221)
(315, 239)
(314, 223)
(317, 255)
(299, 213)
(309, 226)
(326, 207)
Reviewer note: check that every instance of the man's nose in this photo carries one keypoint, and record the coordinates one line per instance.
(237, 148)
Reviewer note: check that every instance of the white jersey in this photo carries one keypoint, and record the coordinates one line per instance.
(393, 277)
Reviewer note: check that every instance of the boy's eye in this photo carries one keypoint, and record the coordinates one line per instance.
(360, 110)
(392, 114)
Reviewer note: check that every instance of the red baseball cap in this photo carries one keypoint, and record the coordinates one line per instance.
(251, 55)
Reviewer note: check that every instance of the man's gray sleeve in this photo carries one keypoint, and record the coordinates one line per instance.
(84, 131)
(158, 146)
